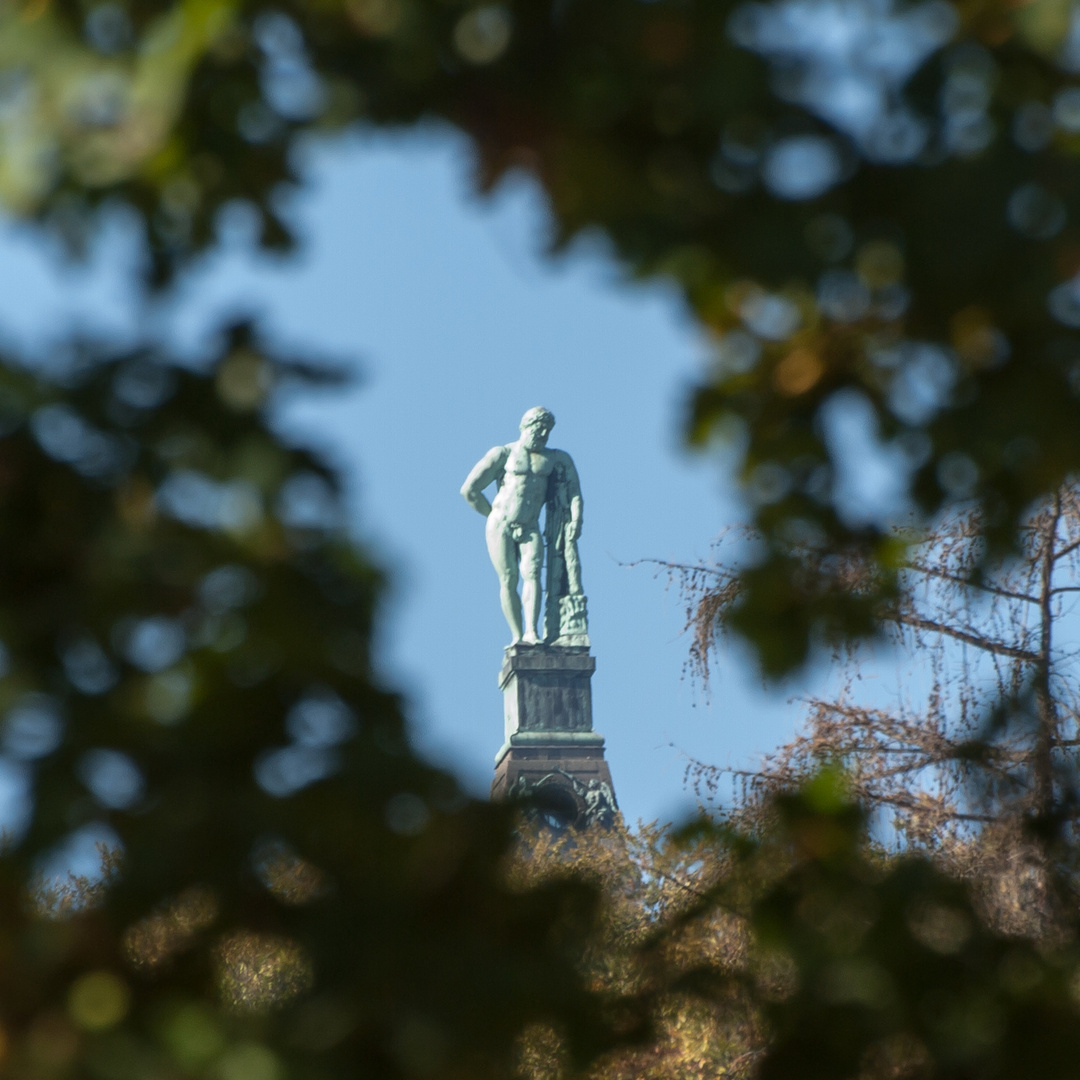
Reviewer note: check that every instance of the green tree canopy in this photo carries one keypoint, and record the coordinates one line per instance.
(917, 250)
(186, 676)
(186, 627)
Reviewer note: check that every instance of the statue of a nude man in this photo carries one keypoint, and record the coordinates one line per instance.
(528, 476)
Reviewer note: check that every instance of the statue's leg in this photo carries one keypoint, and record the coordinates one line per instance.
(532, 561)
(503, 552)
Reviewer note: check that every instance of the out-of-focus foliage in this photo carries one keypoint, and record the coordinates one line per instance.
(871, 211)
(287, 889)
(801, 950)
(650, 888)
(868, 207)
(883, 967)
(974, 761)
(941, 942)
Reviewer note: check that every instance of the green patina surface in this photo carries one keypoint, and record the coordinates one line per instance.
(531, 477)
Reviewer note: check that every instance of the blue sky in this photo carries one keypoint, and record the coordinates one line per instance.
(456, 324)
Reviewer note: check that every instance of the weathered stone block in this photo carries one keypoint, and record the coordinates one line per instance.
(546, 688)
(551, 751)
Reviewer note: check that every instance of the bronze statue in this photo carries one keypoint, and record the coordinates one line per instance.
(530, 476)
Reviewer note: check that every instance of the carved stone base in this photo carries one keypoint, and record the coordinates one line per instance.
(570, 785)
(551, 751)
(546, 688)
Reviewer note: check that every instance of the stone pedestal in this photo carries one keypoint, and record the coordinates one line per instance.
(551, 752)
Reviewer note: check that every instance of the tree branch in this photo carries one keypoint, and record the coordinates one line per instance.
(983, 586)
(986, 644)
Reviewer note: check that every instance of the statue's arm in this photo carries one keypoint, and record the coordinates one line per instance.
(577, 505)
(486, 471)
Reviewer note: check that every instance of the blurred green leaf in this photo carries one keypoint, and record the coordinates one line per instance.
(186, 629)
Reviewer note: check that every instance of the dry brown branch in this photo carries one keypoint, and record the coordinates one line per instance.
(956, 768)
(968, 636)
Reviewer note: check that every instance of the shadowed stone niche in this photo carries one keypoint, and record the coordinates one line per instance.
(551, 752)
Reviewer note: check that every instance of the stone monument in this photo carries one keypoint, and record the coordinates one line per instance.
(551, 752)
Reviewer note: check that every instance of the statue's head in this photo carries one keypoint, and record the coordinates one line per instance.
(536, 426)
